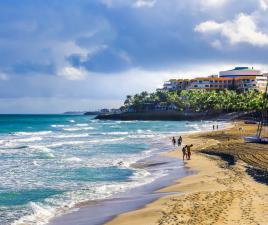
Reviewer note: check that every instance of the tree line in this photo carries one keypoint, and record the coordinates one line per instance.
(198, 100)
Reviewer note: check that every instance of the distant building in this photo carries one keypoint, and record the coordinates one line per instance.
(241, 79)
(104, 111)
(176, 85)
(210, 83)
(246, 78)
(261, 82)
(245, 83)
(240, 71)
(116, 111)
(163, 106)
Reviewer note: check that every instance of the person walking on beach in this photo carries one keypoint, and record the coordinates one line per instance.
(174, 141)
(179, 141)
(189, 153)
(217, 127)
(184, 152)
(213, 127)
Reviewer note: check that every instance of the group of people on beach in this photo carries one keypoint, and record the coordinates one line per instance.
(178, 142)
(186, 150)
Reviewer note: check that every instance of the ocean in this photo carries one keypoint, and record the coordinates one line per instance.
(49, 164)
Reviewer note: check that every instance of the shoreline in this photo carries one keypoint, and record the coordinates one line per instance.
(170, 116)
(133, 199)
(87, 209)
(221, 192)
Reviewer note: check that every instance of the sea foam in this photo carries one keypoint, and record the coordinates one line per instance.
(55, 158)
(37, 133)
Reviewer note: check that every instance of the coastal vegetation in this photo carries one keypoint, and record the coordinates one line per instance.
(194, 101)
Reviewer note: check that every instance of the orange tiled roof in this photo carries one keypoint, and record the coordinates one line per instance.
(224, 78)
(215, 78)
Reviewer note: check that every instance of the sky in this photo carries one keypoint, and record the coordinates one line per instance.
(76, 55)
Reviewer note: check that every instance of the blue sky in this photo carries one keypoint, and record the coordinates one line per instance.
(62, 55)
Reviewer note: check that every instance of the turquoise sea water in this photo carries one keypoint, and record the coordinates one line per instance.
(50, 163)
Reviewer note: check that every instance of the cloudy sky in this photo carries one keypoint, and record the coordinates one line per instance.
(61, 55)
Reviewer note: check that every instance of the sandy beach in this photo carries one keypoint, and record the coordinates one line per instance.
(229, 186)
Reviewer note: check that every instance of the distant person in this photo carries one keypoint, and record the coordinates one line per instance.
(189, 152)
(217, 127)
(180, 138)
(179, 141)
(213, 127)
(184, 152)
(174, 141)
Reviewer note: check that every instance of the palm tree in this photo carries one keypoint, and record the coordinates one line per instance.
(199, 100)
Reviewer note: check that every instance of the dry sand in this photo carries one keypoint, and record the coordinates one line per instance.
(230, 186)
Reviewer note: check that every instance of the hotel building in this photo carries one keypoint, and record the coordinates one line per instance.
(176, 85)
(241, 79)
(210, 83)
(240, 72)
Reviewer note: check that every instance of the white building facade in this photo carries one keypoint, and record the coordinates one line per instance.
(240, 71)
(242, 79)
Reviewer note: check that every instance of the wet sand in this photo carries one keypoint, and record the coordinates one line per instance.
(230, 186)
(99, 212)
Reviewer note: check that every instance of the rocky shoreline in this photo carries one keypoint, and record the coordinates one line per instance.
(172, 115)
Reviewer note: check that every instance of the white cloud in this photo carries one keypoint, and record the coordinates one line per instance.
(213, 3)
(72, 73)
(217, 44)
(116, 3)
(243, 29)
(144, 3)
(129, 3)
(263, 4)
(3, 76)
(63, 50)
(208, 26)
(125, 56)
(100, 90)
(68, 48)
